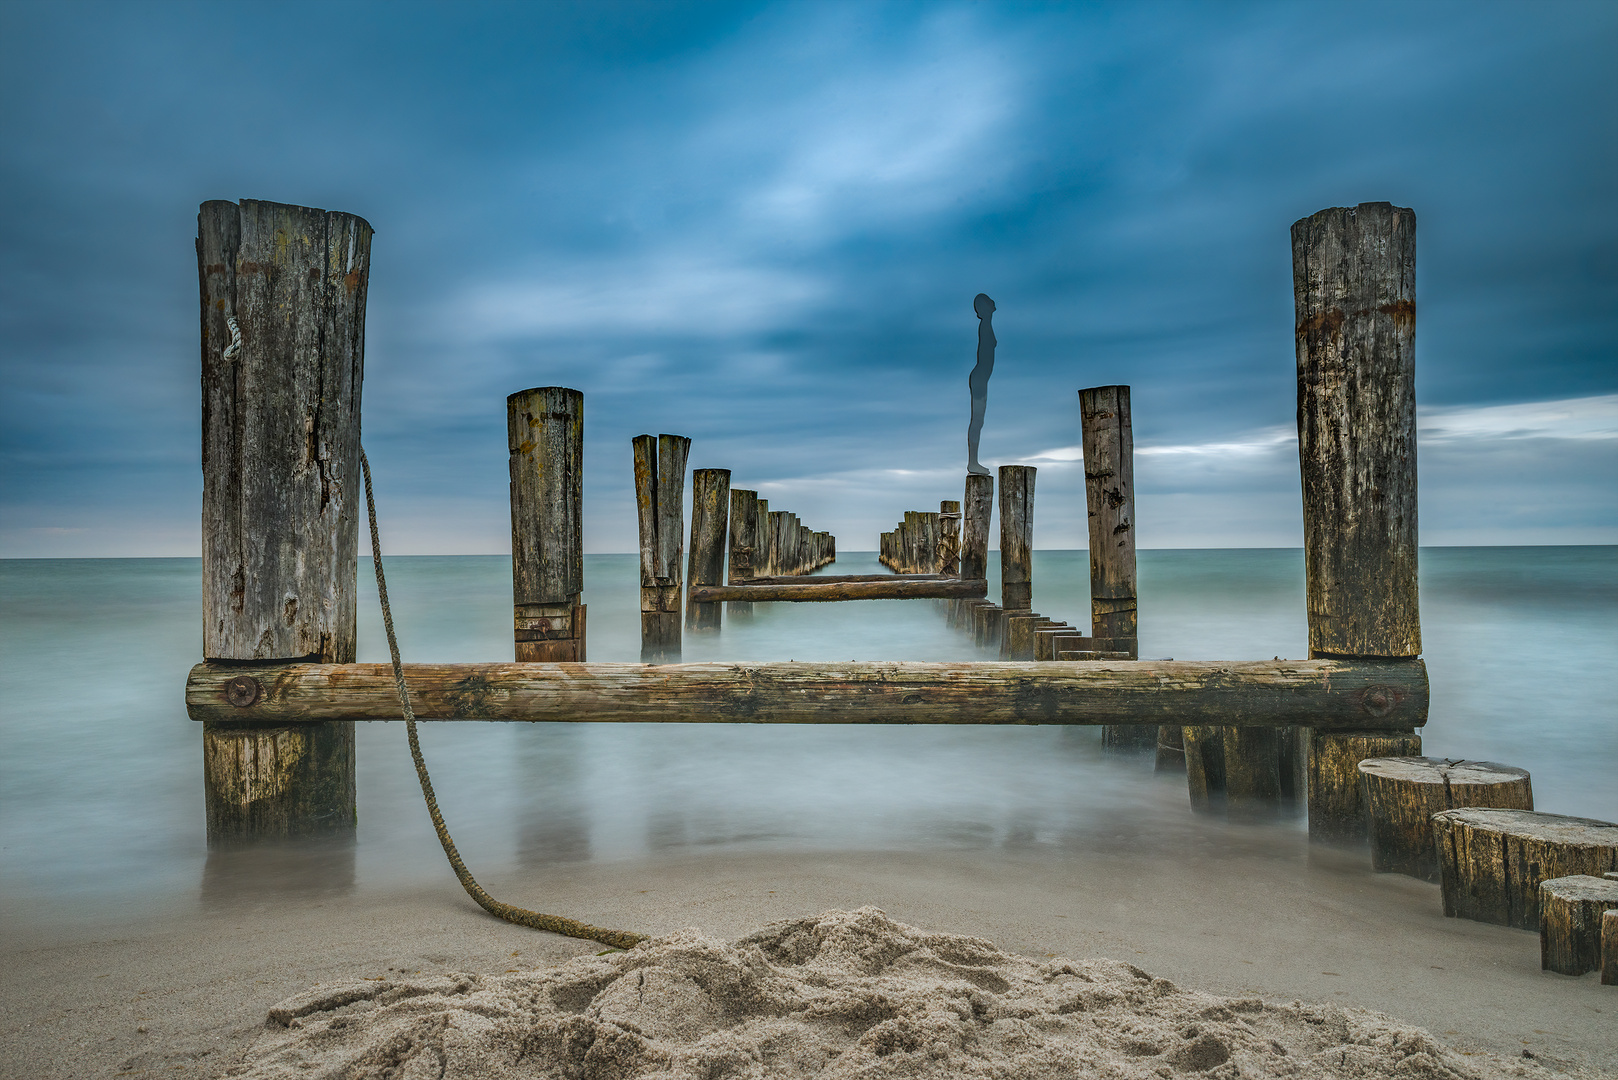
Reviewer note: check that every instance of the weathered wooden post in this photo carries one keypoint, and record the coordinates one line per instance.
(743, 542)
(280, 497)
(545, 433)
(975, 527)
(1354, 286)
(710, 509)
(1016, 536)
(1109, 494)
(949, 538)
(761, 541)
(659, 498)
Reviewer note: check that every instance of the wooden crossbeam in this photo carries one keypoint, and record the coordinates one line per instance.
(886, 588)
(1360, 695)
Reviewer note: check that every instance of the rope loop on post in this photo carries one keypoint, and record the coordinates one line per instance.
(556, 924)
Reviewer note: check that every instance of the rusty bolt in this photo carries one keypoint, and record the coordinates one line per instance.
(1378, 700)
(243, 691)
(544, 626)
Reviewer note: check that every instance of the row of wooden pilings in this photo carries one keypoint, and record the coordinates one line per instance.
(282, 515)
(760, 542)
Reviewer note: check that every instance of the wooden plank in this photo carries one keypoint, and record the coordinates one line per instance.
(812, 590)
(281, 490)
(710, 509)
(1328, 693)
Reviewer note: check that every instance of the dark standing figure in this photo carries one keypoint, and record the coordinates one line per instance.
(978, 381)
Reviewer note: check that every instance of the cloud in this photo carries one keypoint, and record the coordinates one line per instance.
(1570, 418)
(657, 294)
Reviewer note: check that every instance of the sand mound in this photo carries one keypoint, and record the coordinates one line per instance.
(842, 994)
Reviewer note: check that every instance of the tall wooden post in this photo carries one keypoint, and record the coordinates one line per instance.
(1354, 285)
(979, 504)
(710, 508)
(949, 538)
(743, 541)
(659, 499)
(280, 497)
(1016, 536)
(545, 432)
(1109, 495)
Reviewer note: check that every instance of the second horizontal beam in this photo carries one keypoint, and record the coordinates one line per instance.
(888, 588)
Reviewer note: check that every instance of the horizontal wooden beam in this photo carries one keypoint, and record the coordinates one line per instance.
(1359, 695)
(807, 589)
(824, 579)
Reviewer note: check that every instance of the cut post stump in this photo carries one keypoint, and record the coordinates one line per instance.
(1570, 922)
(1491, 862)
(1402, 795)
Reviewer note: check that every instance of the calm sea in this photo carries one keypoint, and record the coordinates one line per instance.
(101, 814)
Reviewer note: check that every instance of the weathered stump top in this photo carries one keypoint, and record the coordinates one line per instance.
(1559, 829)
(1576, 888)
(1449, 772)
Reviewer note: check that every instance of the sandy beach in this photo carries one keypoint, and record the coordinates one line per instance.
(1258, 914)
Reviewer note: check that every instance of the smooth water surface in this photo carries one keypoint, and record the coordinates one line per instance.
(101, 814)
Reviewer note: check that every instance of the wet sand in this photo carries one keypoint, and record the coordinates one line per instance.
(1257, 914)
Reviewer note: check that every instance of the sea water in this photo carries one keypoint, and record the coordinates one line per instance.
(101, 806)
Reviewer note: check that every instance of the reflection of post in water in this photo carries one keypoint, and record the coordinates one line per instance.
(299, 869)
(978, 381)
(555, 818)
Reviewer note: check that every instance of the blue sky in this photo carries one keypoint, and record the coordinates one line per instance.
(762, 226)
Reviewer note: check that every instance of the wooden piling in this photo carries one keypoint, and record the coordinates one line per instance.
(761, 546)
(1252, 772)
(1354, 288)
(1337, 810)
(1016, 536)
(1109, 494)
(1204, 748)
(710, 510)
(659, 500)
(977, 507)
(545, 435)
(280, 496)
(743, 538)
(949, 538)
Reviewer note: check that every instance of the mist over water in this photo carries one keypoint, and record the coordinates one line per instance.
(101, 811)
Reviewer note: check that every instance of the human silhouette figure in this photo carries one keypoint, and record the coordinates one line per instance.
(978, 381)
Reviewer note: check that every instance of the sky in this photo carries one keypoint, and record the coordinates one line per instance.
(762, 226)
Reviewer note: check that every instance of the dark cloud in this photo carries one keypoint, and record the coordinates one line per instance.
(762, 226)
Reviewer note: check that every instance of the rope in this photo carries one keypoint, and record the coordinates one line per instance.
(556, 924)
(235, 345)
